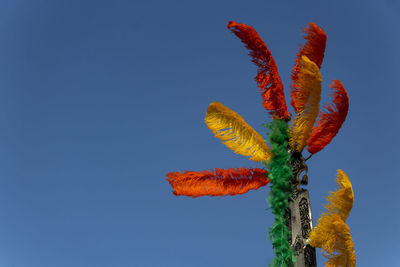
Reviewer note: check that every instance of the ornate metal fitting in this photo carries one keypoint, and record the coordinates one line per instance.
(298, 167)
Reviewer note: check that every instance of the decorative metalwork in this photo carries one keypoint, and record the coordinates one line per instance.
(298, 166)
(304, 217)
(304, 180)
(309, 256)
(288, 217)
(299, 221)
(295, 192)
(298, 246)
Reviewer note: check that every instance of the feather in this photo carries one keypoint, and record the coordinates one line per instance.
(310, 83)
(314, 49)
(235, 133)
(218, 182)
(332, 234)
(280, 175)
(341, 201)
(330, 120)
(267, 78)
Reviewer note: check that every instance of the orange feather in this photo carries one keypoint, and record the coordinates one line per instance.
(218, 182)
(330, 120)
(267, 78)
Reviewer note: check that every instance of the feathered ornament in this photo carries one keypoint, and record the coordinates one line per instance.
(218, 182)
(281, 187)
(330, 120)
(313, 49)
(235, 133)
(332, 234)
(310, 83)
(267, 78)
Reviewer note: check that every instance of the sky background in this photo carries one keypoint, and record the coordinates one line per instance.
(100, 99)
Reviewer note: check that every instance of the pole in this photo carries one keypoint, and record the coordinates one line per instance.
(298, 215)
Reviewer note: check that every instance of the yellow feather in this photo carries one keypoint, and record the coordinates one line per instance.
(341, 201)
(235, 133)
(310, 84)
(332, 234)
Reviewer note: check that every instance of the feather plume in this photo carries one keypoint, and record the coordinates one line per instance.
(267, 78)
(218, 182)
(330, 120)
(332, 234)
(341, 201)
(310, 83)
(235, 133)
(314, 49)
(280, 174)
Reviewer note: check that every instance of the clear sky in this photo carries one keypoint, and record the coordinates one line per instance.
(99, 99)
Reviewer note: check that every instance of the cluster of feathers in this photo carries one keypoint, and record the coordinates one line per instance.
(332, 234)
(311, 128)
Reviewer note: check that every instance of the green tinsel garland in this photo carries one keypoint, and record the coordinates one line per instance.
(280, 173)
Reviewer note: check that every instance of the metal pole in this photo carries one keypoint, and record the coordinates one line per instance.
(299, 220)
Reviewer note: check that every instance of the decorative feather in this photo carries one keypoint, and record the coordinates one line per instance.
(218, 182)
(332, 234)
(341, 201)
(314, 49)
(310, 84)
(235, 133)
(280, 175)
(267, 78)
(330, 120)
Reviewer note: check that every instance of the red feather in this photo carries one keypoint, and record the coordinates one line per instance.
(218, 182)
(267, 78)
(313, 49)
(330, 120)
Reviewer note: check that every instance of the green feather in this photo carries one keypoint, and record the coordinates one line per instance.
(280, 173)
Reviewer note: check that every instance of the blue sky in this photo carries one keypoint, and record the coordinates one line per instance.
(99, 99)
